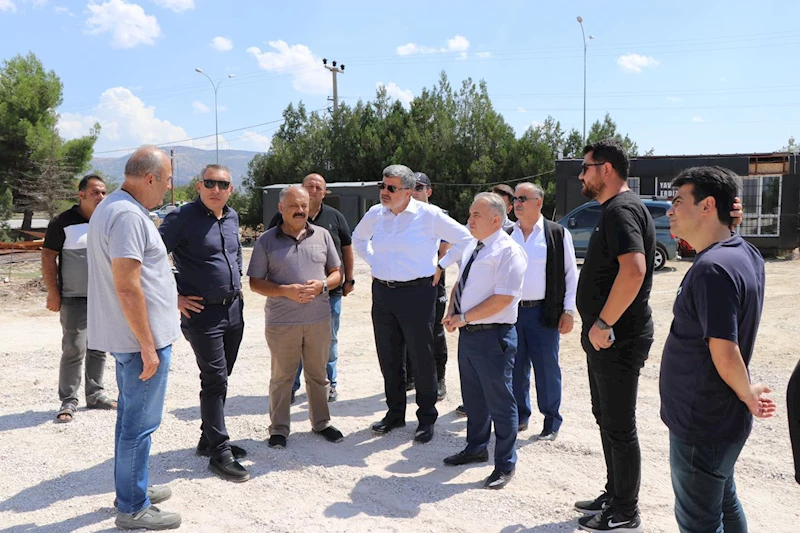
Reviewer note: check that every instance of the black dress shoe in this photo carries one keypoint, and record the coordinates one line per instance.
(460, 411)
(498, 479)
(202, 450)
(386, 425)
(441, 390)
(424, 433)
(464, 458)
(331, 434)
(228, 468)
(277, 441)
(546, 435)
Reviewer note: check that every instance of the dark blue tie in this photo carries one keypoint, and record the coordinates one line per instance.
(462, 282)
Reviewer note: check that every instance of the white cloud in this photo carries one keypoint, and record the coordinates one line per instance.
(394, 91)
(128, 24)
(125, 119)
(8, 5)
(200, 107)
(458, 44)
(254, 141)
(674, 99)
(697, 119)
(63, 10)
(308, 74)
(636, 62)
(178, 6)
(536, 124)
(484, 55)
(221, 44)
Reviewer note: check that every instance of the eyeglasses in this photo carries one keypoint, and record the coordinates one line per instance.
(223, 185)
(391, 188)
(419, 187)
(523, 199)
(585, 166)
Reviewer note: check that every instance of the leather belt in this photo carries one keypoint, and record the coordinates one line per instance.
(412, 283)
(483, 327)
(225, 301)
(530, 303)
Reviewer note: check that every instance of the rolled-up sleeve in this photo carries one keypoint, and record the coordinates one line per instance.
(448, 230)
(510, 272)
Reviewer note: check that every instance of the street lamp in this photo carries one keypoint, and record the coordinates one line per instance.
(216, 121)
(580, 21)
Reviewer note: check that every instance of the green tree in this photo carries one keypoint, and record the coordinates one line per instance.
(791, 145)
(608, 128)
(6, 210)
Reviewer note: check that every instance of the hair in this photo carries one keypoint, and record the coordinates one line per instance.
(504, 190)
(286, 190)
(406, 175)
(215, 166)
(495, 202)
(86, 179)
(610, 150)
(717, 182)
(314, 175)
(146, 160)
(536, 188)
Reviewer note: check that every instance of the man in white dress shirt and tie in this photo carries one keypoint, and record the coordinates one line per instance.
(399, 240)
(484, 306)
(546, 310)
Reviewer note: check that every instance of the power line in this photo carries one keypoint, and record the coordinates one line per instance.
(494, 183)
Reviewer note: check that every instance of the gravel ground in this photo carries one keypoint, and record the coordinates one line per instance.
(58, 477)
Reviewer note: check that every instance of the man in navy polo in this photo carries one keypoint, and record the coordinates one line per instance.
(707, 400)
(203, 237)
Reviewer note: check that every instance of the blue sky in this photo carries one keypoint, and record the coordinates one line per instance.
(682, 77)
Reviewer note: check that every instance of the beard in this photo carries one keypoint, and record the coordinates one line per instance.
(589, 192)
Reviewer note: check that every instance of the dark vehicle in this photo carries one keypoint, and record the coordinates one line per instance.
(582, 220)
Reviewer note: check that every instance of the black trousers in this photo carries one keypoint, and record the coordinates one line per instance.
(215, 335)
(439, 340)
(613, 385)
(793, 413)
(402, 319)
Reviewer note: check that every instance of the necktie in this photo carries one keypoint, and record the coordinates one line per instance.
(462, 282)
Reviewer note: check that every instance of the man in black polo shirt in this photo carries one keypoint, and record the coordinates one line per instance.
(332, 220)
(203, 237)
(707, 400)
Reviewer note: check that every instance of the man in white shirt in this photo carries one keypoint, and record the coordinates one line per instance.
(546, 310)
(399, 240)
(484, 306)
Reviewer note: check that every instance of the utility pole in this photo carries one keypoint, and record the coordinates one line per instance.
(334, 71)
(216, 119)
(580, 21)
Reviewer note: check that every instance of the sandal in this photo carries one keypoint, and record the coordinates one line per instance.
(68, 412)
(101, 402)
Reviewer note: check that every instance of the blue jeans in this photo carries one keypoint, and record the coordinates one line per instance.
(333, 353)
(705, 492)
(538, 346)
(486, 363)
(139, 410)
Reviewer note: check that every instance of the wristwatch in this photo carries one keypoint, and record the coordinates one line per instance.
(570, 312)
(601, 324)
(439, 267)
(463, 317)
(350, 281)
(324, 286)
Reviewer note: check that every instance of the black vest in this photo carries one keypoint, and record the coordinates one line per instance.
(555, 286)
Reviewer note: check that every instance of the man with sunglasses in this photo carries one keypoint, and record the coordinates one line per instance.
(399, 240)
(422, 192)
(203, 237)
(546, 310)
(334, 221)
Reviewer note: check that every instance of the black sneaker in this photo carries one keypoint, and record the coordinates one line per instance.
(610, 520)
(460, 411)
(277, 441)
(593, 507)
(498, 479)
(331, 434)
(441, 390)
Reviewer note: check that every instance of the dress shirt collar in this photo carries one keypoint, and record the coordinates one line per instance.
(204, 207)
(488, 241)
(539, 224)
(309, 232)
(413, 207)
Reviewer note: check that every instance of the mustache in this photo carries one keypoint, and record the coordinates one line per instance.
(299, 215)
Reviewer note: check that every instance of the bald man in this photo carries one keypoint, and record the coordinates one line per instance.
(332, 220)
(132, 314)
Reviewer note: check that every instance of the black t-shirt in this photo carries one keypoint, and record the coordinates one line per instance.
(624, 226)
(333, 221)
(721, 297)
(66, 234)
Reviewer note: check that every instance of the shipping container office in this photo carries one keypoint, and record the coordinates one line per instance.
(769, 188)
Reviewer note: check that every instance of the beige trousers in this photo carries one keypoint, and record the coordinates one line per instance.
(289, 345)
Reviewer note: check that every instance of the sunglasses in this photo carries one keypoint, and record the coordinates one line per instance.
(523, 199)
(419, 187)
(391, 188)
(223, 185)
(585, 166)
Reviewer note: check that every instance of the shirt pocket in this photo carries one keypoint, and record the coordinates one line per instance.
(317, 253)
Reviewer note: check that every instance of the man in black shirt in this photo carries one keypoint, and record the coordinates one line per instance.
(203, 237)
(332, 220)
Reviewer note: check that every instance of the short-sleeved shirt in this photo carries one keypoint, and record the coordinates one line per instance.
(332, 220)
(121, 228)
(624, 226)
(499, 268)
(721, 297)
(66, 234)
(281, 259)
(206, 250)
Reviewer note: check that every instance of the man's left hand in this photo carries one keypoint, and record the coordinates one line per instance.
(347, 288)
(313, 287)
(600, 338)
(436, 276)
(565, 323)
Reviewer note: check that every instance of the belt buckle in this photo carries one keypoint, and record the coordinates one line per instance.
(391, 284)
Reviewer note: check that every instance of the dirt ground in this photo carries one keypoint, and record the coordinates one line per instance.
(58, 477)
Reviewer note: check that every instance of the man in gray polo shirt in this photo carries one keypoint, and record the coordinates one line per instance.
(133, 314)
(294, 265)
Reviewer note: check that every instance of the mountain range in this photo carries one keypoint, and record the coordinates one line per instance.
(187, 163)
